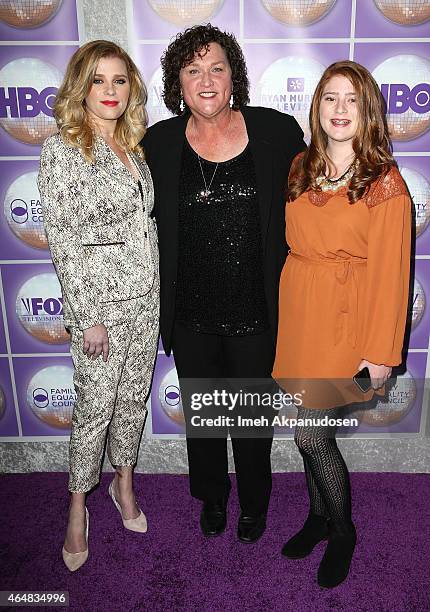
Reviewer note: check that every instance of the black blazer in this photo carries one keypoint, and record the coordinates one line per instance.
(275, 138)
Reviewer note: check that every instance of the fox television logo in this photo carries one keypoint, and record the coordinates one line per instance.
(39, 308)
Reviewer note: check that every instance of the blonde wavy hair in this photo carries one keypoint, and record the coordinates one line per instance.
(69, 109)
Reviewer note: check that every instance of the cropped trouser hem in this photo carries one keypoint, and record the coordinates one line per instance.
(111, 396)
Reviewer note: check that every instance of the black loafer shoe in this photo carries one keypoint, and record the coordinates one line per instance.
(251, 528)
(213, 518)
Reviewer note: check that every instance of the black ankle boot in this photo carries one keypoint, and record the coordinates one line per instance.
(302, 544)
(334, 566)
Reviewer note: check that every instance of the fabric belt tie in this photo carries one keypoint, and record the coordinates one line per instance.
(347, 303)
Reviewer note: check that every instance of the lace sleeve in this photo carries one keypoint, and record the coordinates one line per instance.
(386, 187)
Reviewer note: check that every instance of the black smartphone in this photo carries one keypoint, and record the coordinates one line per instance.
(362, 380)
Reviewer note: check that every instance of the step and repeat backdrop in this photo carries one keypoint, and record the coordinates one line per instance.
(287, 44)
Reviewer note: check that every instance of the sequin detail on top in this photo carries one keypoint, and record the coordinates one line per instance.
(220, 272)
(388, 186)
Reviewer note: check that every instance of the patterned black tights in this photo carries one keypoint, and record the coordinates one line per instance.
(327, 476)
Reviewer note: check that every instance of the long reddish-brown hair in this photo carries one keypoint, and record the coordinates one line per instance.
(371, 143)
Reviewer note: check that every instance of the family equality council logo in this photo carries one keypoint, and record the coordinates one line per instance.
(23, 211)
(51, 396)
(169, 397)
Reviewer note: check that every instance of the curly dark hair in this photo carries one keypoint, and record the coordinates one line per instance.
(181, 52)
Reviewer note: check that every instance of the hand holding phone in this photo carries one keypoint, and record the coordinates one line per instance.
(362, 380)
(377, 373)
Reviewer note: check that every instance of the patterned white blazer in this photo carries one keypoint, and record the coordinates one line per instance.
(102, 239)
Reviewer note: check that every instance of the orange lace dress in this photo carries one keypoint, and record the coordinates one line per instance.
(344, 289)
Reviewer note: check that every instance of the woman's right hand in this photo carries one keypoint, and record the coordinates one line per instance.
(379, 374)
(96, 342)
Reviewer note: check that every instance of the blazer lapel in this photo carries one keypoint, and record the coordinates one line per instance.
(172, 160)
(263, 159)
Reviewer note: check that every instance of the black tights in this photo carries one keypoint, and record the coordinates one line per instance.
(327, 476)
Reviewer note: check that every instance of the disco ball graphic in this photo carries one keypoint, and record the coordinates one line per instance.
(405, 12)
(409, 70)
(418, 304)
(39, 308)
(2, 403)
(51, 396)
(419, 188)
(298, 12)
(23, 211)
(401, 399)
(170, 397)
(288, 85)
(184, 13)
(155, 106)
(28, 13)
(35, 76)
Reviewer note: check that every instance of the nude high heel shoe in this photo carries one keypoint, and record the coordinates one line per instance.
(73, 561)
(138, 524)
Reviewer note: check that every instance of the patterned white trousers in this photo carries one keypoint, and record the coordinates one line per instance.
(111, 396)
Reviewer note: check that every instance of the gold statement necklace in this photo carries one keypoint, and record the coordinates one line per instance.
(327, 184)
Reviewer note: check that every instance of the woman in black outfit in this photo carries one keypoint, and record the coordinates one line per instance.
(220, 170)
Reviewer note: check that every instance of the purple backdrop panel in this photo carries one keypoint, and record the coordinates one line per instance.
(382, 19)
(166, 407)
(285, 76)
(155, 19)
(402, 70)
(147, 58)
(34, 309)
(21, 231)
(50, 20)
(416, 172)
(402, 412)
(8, 424)
(29, 79)
(45, 394)
(421, 305)
(297, 19)
(2, 337)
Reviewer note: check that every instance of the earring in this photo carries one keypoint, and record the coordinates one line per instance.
(182, 105)
(231, 99)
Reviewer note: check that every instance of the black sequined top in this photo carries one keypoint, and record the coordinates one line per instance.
(220, 287)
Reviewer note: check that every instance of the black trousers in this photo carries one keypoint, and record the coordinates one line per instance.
(202, 355)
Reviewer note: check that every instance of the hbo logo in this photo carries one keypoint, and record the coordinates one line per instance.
(399, 97)
(26, 101)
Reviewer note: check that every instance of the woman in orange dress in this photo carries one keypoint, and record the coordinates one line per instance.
(343, 291)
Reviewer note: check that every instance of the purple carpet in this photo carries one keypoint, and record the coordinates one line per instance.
(173, 568)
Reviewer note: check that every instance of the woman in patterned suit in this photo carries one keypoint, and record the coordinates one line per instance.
(97, 197)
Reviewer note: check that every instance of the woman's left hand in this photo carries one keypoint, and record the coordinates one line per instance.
(378, 373)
